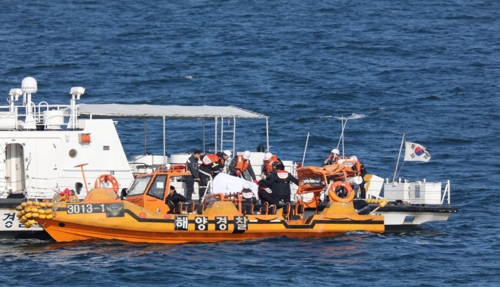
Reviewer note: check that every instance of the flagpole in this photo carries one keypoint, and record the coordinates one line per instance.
(305, 148)
(341, 139)
(399, 156)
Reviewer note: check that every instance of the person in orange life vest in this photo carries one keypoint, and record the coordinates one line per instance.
(332, 158)
(265, 193)
(192, 167)
(279, 182)
(208, 169)
(361, 171)
(224, 156)
(240, 166)
(269, 164)
(247, 197)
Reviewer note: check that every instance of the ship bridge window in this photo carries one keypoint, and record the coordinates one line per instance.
(157, 189)
(139, 185)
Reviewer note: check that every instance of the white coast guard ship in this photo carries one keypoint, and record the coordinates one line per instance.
(46, 149)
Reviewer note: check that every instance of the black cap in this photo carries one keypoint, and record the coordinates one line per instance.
(197, 151)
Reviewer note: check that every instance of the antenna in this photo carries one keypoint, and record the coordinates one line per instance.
(75, 92)
(29, 86)
(14, 96)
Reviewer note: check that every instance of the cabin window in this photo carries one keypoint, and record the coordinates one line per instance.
(139, 185)
(157, 189)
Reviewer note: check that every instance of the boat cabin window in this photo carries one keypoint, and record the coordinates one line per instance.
(139, 185)
(157, 189)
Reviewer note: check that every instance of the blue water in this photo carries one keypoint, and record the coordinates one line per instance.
(429, 69)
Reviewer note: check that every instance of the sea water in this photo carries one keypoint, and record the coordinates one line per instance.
(427, 69)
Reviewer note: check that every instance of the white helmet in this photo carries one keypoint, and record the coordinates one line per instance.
(246, 185)
(268, 155)
(354, 158)
(228, 153)
(246, 154)
(335, 151)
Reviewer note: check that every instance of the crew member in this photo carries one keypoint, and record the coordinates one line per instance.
(269, 164)
(224, 157)
(240, 166)
(279, 181)
(208, 169)
(332, 158)
(173, 199)
(192, 167)
(361, 171)
(247, 199)
(265, 193)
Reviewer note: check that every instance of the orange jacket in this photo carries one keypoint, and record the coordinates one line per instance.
(269, 164)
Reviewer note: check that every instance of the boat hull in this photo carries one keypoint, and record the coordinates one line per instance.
(220, 222)
(400, 218)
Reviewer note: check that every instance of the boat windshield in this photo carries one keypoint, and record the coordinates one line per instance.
(139, 185)
(157, 189)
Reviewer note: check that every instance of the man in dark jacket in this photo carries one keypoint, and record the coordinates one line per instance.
(173, 199)
(279, 181)
(265, 193)
(192, 166)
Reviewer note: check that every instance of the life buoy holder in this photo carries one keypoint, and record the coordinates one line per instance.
(346, 188)
(105, 178)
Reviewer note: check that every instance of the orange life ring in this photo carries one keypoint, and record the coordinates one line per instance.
(332, 193)
(107, 178)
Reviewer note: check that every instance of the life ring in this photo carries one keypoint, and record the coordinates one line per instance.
(105, 178)
(343, 187)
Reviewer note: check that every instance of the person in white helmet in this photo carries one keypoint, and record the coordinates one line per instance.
(270, 163)
(247, 199)
(240, 166)
(333, 158)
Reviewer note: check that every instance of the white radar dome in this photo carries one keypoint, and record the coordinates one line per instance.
(29, 85)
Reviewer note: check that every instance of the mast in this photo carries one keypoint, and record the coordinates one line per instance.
(399, 155)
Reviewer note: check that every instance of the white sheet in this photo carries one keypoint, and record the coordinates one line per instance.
(225, 183)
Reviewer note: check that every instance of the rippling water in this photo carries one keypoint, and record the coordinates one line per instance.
(429, 69)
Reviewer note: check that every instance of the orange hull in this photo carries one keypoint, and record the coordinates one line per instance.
(121, 220)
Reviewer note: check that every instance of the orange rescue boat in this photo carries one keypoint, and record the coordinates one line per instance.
(145, 214)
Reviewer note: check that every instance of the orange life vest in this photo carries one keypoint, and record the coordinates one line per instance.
(210, 159)
(242, 164)
(270, 162)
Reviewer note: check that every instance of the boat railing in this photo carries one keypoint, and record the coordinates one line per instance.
(49, 116)
(417, 192)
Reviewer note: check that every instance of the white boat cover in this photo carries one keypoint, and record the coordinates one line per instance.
(167, 112)
(225, 183)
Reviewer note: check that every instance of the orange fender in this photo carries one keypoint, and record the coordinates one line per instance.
(106, 178)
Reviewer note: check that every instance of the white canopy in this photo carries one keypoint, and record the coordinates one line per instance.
(218, 113)
(167, 112)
